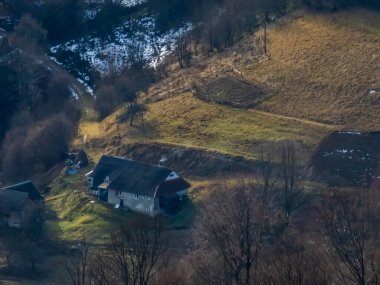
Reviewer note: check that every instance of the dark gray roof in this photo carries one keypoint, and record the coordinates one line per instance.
(26, 187)
(129, 175)
(12, 201)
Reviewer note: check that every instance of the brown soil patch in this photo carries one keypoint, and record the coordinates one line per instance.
(230, 91)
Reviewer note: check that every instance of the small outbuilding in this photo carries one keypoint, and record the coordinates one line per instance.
(28, 188)
(14, 208)
(21, 206)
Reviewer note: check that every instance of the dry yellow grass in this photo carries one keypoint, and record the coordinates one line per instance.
(187, 121)
(323, 67)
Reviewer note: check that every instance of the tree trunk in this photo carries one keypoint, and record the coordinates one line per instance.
(265, 36)
(142, 123)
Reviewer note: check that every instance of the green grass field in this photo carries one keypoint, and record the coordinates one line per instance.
(187, 121)
(74, 213)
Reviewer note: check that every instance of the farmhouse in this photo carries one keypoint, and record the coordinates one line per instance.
(141, 187)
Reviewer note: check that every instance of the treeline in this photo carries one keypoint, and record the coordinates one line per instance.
(333, 5)
(38, 114)
(222, 23)
(67, 19)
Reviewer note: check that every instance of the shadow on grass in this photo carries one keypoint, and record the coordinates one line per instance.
(184, 219)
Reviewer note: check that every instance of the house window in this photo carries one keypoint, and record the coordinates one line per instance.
(118, 193)
(136, 196)
(90, 181)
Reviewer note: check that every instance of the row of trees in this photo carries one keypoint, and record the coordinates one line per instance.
(134, 254)
(333, 5)
(38, 112)
(38, 118)
(275, 232)
(222, 23)
(65, 19)
(116, 91)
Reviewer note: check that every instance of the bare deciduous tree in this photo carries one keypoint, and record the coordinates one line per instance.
(29, 35)
(266, 177)
(181, 50)
(348, 227)
(292, 263)
(230, 236)
(288, 172)
(136, 251)
(77, 263)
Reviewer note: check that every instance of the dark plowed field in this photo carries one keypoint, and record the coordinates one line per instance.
(231, 91)
(348, 158)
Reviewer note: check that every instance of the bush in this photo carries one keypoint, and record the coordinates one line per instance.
(27, 151)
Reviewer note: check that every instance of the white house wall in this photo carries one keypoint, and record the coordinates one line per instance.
(138, 203)
(172, 176)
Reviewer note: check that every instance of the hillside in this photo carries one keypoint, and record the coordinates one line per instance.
(321, 76)
(212, 121)
(327, 60)
(189, 122)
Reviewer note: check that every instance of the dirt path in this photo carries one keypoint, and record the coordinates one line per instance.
(305, 121)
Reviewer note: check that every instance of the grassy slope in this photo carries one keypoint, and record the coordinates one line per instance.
(323, 66)
(74, 214)
(182, 120)
(320, 66)
(187, 121)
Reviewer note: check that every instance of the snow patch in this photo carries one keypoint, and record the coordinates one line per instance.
(350, 132)
(131, 3)
(74, 95)
(110, 54)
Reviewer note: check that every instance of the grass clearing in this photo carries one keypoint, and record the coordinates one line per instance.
(76, 213)
(73, 213)
(187, 121)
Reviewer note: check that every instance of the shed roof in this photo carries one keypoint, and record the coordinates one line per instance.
(26, 187)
